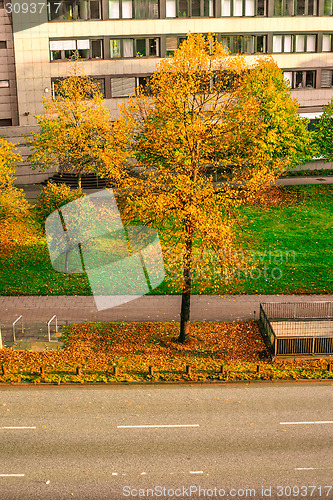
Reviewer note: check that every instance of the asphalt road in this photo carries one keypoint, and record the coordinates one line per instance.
(116, 442)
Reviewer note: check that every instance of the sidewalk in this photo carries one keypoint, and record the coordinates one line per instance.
(147, 308)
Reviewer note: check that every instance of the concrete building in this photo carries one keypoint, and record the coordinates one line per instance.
(120, 42)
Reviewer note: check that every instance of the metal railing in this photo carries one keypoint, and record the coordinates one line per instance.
(298, 328)
(298, 310)
(14, 326)
(49, 328)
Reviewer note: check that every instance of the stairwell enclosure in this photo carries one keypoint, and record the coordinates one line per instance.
(301, 329)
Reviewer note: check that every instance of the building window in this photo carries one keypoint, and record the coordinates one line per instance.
(85, 49)
(126, 86)
(6, 122)
(3, 44)
(4, 84)
(301, 79)
(243, 8)
(122, 87)
(326, 78)
(74, 10)
(294, 43)
(133, 9)
(101, 85)
(189, 8)
(245, 44)
(295, 8)
(134, 47)
(328, 7)
(327, 43)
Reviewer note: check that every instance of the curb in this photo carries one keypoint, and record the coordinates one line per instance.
(161, 383)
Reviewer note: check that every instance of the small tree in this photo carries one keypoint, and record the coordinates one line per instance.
(324, 133)
(75, 128)
(14, 208)
(206, 110)
(9, 159)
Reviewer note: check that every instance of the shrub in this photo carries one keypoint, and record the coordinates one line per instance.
(16, 220)
(13, 205)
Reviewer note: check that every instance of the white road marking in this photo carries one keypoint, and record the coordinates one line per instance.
(115, 473)
(11, 475)
(196, 471)
(308, 423)
(313, 468)
(151, 426)
(17, 427)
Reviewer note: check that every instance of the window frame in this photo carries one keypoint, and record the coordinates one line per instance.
(133, 10)
(256, 9)
(136, 52)
(63, 51)
(304, 78)
(287, 12)
(75, 5)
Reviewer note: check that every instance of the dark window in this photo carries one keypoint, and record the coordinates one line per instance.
(74, 10)
(328, 7)
(195, 5)
(300, 7)
(182, 8)
(5, 122)
(310, 80)
(140, 9)
(261, 44)
(277, 8)
(143, 83)
(261, 11)
(298, 79)
(153, 12)
(96, 49)
(295, 7)
(312, 124)
(301, 79)
(3, 44)
(141, 47)
(153, 47)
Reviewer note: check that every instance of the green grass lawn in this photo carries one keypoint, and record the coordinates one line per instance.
(291, 246)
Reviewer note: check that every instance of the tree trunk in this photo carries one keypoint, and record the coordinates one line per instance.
(186, 294)
(79, 175)
(185, 309)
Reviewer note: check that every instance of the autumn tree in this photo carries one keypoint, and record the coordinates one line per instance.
(75, 128)
(14, 208)
(207, 110)
(9, 159)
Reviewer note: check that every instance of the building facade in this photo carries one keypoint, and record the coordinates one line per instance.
(120, 42)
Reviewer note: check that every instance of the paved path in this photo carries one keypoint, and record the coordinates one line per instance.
(32, 191)
(146, 308)
(297, 181)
